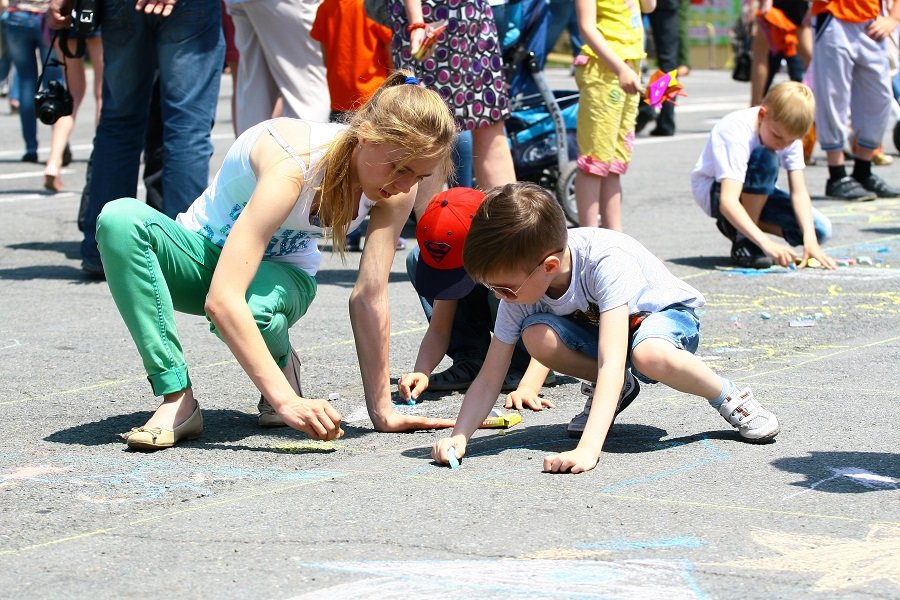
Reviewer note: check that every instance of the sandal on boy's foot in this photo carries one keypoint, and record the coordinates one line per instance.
(745, 253)
(157, 438)
(754, 423)
(267, 415)
(630, 390)
(457, 377)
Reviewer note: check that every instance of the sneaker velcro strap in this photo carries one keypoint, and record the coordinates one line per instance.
(740, 407)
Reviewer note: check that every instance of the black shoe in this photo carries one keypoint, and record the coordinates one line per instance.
(726, 228)
(879, 187)
(745, 253)
(847, 188)
(458, 376)
(662, 132)
(93, 269)
(30, 157)
(67, 156)
(645, 116)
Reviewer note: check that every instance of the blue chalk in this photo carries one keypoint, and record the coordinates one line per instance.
(451, 456)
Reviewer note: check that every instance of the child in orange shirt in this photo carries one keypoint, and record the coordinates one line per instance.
(356, 52)
(357, 55)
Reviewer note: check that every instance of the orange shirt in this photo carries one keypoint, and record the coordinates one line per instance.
(852, 11)
(356, 51)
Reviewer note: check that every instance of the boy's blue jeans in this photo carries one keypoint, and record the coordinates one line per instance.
(762, 173)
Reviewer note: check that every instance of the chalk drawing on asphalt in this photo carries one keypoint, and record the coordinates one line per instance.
(510, 578)
(838, 563)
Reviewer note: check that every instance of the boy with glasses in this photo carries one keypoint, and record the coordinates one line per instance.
(596, 303)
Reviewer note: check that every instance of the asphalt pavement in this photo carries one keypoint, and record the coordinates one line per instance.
(678, 507)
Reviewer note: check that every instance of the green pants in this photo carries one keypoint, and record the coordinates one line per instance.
(154, 266)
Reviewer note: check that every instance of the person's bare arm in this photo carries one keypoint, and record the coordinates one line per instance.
(802, 205)
(431, 350)
(731, 208)
(275, 194)
(370, 316)
(611, 356)
(586, 11)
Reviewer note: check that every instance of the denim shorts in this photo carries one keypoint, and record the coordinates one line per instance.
(762, 173)
(678, 324)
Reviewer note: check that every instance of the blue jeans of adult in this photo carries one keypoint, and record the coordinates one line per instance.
(762, 173)
(23, 38)
(473, 322)
(188, 50)
(562, 16)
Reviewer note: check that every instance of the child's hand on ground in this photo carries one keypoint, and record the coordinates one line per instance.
(440, 447)
(826, 261)
(518, 399)
(412, 384)
(573, 461)
(629, 80)
(316, 418)
(780, 254)
(396, 423)
(881, 27)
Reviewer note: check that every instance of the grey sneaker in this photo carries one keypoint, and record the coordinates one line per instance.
(847, 188)
(630, 389)
(754, 423)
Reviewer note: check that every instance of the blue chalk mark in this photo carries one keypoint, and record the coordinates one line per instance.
(402, 402)
(716, 456)
(675, 542)
(687, 572)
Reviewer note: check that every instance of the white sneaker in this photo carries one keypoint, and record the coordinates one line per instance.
(754, 423)
(630, 389)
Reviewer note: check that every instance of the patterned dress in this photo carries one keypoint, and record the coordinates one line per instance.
(465, 66)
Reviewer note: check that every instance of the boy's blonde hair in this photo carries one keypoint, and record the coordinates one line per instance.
(792, 105)
(516, 227)
(406, 115)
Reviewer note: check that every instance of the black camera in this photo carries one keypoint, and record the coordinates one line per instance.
(85, 17)
(53, 103)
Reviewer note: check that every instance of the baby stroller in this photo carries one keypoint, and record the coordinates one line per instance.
(541, 128)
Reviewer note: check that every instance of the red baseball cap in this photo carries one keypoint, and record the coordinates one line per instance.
(441, 233)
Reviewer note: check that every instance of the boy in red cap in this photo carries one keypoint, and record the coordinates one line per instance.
(460, 314)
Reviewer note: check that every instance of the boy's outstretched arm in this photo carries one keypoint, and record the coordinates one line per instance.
(611, 356)
(732, 209)
(527, 394)
(431, 351)
(478, 402)
(802, 205)
(586, 12)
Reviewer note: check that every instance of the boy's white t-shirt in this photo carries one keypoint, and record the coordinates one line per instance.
(609, 269)
(728, 150)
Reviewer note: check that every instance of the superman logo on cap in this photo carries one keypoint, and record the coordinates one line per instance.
(437, 250)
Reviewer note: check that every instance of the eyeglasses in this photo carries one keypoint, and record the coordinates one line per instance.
(510, 294)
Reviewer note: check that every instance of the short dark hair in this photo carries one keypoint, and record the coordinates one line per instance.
(516, 226)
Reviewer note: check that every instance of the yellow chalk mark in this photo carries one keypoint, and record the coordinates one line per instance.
(841, 562)
(311, 446)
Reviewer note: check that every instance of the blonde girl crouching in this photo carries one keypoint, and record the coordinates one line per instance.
(245, 254)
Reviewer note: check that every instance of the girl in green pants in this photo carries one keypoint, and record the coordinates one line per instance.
(245, 254)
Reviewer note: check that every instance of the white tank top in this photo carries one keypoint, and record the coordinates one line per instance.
(214, 213)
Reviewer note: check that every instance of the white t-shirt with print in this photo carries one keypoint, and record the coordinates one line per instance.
(609, 269)
(728, 150)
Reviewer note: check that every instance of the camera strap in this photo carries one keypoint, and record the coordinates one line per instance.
(49, 60)
(80, 46)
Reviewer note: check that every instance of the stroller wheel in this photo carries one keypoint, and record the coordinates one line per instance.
(565, 192)
(897, 136)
